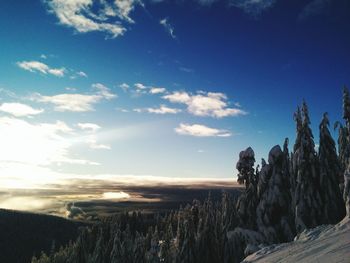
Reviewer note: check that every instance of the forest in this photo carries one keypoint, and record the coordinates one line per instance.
(290, 192)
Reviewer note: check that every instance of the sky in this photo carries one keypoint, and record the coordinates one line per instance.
(160, 90)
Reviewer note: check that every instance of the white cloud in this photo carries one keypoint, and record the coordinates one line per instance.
(168, 27)
(140, 86)
(124, 87)
(19, 109)
(124, 8)
(122, 110)
(35, 144)
(212, 104)
(178, 97)
(70, 102)
(82, 74)
(92, 127)
(88, 15)
(92, 142)
(155, 90)
(77, 102)
(77, 74)
(104, 91)
(37, 66)
(199, 130)
(163, 110)
(91, 139)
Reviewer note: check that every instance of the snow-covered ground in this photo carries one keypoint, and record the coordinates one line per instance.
(326, 243)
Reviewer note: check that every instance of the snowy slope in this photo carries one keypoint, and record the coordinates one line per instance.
(326, 243)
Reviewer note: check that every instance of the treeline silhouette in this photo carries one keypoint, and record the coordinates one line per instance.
(24, 234)
(291, 192)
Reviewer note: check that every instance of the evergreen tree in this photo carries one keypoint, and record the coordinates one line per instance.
(274, 209)
(347, 192)
(166, 253)
(333, 205)
(307, 197)
(342, 151)
(247, 202)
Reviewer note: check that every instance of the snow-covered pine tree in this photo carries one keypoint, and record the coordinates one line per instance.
(333, 205)
(307, 197)
(248, 201)
(138, 248)
(346, 106)
(342, 152)
(117, 252)
(274, 210)
(344, 137)
(166, 249)
(99, 251)
(347, 191)
(188, 249)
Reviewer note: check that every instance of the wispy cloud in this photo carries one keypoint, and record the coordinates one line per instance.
(82, 74)
(206, 2)
(124, 87)
(90, 15)
(212, 104)
(19, 109)
(37, 66)
(199, 130)
(91, 139)
(76, 102)
(187, 70)
(168, 27)
(103, 91)
(140, 86)
(92, 127)
(253, 7)
(314, 8)
(93, 144)
(163, 110)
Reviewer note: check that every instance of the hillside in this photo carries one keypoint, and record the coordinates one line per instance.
(325, 243)
(24, 234)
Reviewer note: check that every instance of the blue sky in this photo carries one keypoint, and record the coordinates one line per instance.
(161, 88)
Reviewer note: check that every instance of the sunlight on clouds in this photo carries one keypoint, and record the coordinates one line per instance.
(19, 109)
(25, 203)
(115, 195)
(36, 144)
(201, 131)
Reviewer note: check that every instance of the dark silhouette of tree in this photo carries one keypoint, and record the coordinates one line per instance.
(333, 205)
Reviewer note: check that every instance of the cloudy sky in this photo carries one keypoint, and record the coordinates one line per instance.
(159, 88)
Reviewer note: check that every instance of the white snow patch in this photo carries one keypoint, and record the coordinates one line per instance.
(326, 243)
